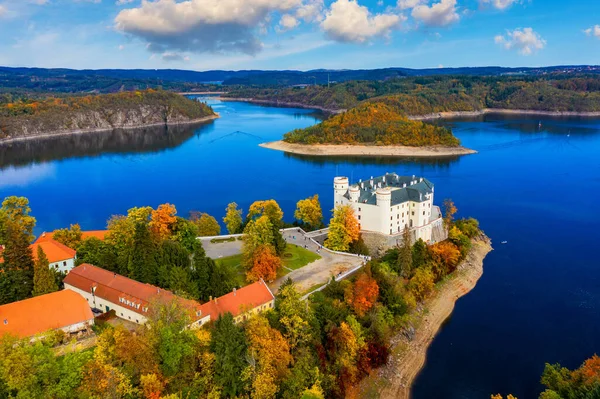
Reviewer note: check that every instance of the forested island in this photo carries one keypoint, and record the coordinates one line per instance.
(29, 118)
(371, 128)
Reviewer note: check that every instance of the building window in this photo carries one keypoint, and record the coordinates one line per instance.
(391, 218)
(423, 213)
(358, 217)
(121, 314)
(64, 263)
(359, 209)
(413, 213)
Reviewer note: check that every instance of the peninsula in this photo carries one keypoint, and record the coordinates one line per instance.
(395, 379)
(54, 116)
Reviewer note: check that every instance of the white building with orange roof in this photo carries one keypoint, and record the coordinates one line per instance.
(62, 310)
(60, 257)
(132, 300)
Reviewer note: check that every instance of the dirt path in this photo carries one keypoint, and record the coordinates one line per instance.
(408, 357)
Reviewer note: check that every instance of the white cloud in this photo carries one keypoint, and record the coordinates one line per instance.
(499, 4)
(3, 11)
(407, 4)
(121, 47)
(217, 26)
(310, 11)
(347, 21)
(123, 2)
(593, 31)
(287, 22)
(526, 41)
(439, 14)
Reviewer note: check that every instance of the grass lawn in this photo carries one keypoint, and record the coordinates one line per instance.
(296, 257)
(293, 258)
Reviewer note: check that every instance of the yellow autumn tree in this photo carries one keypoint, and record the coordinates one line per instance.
(257, 232)
(265, 264)
(270, 357)
(233, 219)
(269, 208)
(344, 229)
(309, 212)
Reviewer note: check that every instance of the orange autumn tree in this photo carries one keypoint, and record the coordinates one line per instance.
(363, 294)
(265, 264)
(162, 220)
(446, 255)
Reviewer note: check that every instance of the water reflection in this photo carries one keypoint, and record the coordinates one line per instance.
(441, 162)
(150, 139)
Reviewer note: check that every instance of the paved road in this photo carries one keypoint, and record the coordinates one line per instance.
(317, 272)
(222, 249)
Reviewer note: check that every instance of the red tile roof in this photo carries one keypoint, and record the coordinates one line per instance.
(239, 301)
(99, 234)
(54, 250)
(42, 313)
(113, 287)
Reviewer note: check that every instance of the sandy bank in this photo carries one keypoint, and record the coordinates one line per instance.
(408, 357)
(515, 112)
(366, 150)
(83, 131)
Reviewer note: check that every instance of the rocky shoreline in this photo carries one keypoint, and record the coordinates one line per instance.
(394, 380)
(83, 131)
(367, 150)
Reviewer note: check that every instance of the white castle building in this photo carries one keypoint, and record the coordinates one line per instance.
(389, 204)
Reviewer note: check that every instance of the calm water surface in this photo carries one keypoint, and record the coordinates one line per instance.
(537, 188)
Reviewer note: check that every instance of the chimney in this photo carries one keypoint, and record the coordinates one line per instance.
(44, 234)
(210, 298)
(115, 274)
(216, 299)
(5, 321)
(234, 291)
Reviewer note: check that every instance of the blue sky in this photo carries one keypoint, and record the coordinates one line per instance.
(297, 34)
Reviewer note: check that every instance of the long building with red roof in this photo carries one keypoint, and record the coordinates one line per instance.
(132, 300)
(64, 310)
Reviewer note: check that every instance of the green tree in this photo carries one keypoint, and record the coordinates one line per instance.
(293, 316)
(16, 273)
(233, 219)
(268, 208)
(185, 232)
(97, 252)
(228, 343)
(70, 237)
(404, 263)
(173, 342)
(43, 277)
(309, 212)
(420, 254)
(207, 225)
(449, 212)
(142, 262)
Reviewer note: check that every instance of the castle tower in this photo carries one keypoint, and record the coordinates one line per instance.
(354, 192)
(383, 196)
(340, 187)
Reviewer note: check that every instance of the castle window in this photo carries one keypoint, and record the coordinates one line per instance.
(358, 217)
(359, 209)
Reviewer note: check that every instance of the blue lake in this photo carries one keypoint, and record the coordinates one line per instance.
(535, 187)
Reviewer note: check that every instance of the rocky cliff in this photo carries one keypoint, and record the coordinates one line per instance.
(55, 116)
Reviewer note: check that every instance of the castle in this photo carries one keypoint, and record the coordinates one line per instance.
(388, 204)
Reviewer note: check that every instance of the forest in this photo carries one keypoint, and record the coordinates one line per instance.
(300, 349)
(373, 123)
(427, 94)
(134, 108)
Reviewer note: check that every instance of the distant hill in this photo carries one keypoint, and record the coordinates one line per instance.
(421, 95)
(61, 80)
(54, 116)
